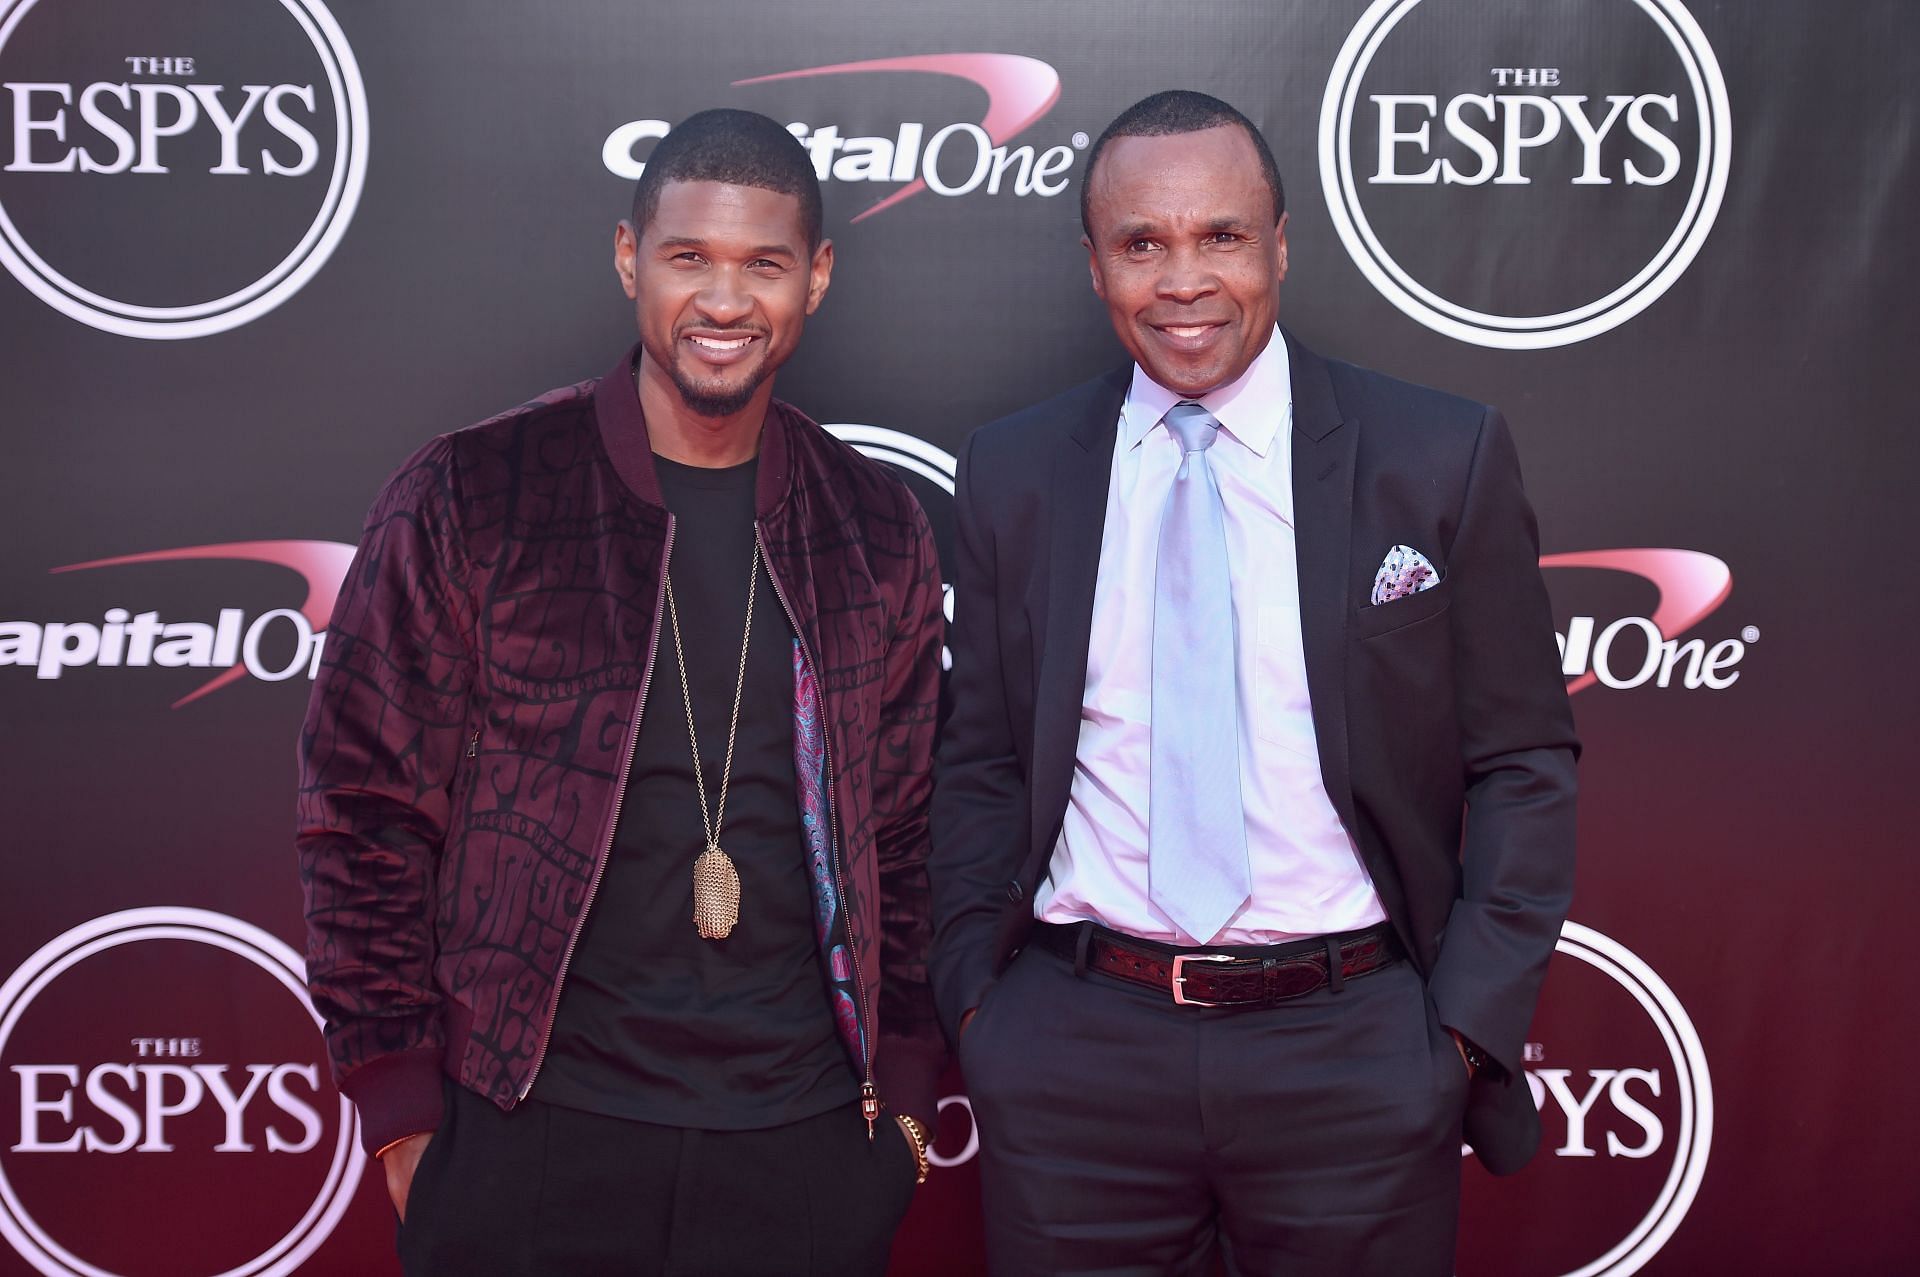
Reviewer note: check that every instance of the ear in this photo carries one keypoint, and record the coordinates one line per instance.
(820, 274)
(1093, 269)
(626, 247)
(1280, 244)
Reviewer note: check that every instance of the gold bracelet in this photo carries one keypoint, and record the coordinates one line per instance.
(918, 1135)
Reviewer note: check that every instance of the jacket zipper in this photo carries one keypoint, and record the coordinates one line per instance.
(613, 823)
(869, 1093)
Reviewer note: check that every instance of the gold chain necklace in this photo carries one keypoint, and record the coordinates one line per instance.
(716, 883)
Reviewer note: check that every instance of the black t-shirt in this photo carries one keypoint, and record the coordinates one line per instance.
(655, 1023)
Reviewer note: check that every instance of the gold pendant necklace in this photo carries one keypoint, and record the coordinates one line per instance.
(716, 883)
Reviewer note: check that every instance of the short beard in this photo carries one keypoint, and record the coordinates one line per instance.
(717, 403)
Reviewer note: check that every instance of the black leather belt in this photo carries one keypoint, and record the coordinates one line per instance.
(1236, 976)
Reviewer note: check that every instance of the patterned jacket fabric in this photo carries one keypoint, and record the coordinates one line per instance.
(471, 727)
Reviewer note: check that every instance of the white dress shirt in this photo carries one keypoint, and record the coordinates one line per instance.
(1306, 872)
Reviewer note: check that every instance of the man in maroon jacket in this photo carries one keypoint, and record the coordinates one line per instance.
(614, 785)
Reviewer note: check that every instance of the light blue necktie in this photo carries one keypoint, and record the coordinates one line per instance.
(1196, 830)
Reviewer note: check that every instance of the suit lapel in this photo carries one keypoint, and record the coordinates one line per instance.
(1082, 466)
(1324, 447)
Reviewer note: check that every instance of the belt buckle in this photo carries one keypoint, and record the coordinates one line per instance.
(1180, 997)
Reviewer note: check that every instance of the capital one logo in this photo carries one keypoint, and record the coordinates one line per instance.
(276, 644)
(272, 645)
(1522, 176)
(129, 1079)
(1620, 1077)
(179, 170)
(1627, 644)
(958, 157)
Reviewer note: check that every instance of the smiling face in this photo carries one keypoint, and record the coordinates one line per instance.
(1186, 253)
(722, 282)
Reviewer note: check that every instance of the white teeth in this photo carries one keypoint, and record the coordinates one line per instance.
(1187, 332)
(714, 344)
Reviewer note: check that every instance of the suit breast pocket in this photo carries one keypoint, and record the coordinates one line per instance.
(1282, 712)
(1377, 619)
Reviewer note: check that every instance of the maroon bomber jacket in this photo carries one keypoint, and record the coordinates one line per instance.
(467, 744)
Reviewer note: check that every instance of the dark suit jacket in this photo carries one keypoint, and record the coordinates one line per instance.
(1446, 742)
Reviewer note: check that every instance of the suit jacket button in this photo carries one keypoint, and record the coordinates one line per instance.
(1015, 892)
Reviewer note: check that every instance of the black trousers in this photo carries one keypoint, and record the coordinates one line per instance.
(1125, 1136)
(548, 1190)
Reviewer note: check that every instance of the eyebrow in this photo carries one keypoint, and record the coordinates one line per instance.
(694, 241)
(1149, 230)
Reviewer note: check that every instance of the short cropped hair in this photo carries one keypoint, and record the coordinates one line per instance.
(740, 148)
(1179, 111)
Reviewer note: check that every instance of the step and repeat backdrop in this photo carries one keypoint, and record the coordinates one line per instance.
(257, 251)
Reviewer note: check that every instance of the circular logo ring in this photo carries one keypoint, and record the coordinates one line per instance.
(1695, 1087)
(1531, 332)
(201, 926)
(288, 276)
(904, 451)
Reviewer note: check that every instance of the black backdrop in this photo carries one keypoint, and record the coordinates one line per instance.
(1723, 1052)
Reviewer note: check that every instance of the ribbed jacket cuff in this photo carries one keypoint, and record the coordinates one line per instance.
(397, 1096)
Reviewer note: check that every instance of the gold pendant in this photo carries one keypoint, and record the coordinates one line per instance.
(716, 894)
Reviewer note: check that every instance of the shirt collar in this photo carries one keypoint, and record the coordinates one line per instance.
(1252, 407)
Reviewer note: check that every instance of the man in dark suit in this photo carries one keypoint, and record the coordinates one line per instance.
(1254, 818)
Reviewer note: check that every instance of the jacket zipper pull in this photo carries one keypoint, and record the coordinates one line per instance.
(473, 746)
(869, 1107)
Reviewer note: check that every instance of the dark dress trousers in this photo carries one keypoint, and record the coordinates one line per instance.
(1445, 738)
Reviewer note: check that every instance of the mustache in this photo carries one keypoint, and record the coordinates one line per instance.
(719, 330)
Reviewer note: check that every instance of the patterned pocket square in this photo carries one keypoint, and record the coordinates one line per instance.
(1404, 571)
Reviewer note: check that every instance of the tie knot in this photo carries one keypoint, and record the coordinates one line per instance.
(1192, 425)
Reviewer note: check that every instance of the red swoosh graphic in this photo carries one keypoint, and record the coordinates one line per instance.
(1691, 586)
(322, 564)
(1019, 91)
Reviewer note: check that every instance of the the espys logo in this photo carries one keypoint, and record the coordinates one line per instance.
(956, 158)
(183, 171)
(133, 1082)
(1620, 1077)
(919, 463)
(1631, 649)
(1576, 153)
